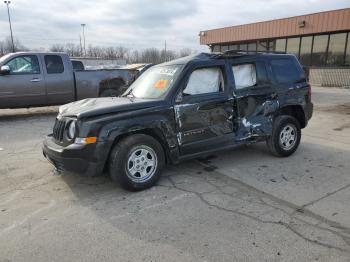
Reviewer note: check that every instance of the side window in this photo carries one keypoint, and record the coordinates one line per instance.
(245, 75)
(204, 81)
(261, 74)
(286, 70)
(27, 64)
(54, 64)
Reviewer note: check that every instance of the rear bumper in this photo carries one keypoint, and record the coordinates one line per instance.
(309, 109)
(73, 158)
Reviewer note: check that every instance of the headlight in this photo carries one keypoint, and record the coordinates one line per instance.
(71, 130)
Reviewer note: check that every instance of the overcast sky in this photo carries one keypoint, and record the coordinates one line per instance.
(142, 23)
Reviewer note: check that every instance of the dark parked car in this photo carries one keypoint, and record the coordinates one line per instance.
(184, 109)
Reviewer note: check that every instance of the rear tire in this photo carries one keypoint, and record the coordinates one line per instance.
(136, 162)
(285, 137)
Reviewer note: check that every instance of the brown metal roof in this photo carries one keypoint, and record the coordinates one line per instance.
(329, 21)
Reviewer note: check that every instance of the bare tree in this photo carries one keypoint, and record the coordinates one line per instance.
(148, 55)
(2, 48)
(6, 46)
(57, 48)
(185, 52)
(72, 49)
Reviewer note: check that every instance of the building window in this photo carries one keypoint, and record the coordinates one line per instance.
(272, 45)
(262, 46)
(347, 54)
(319, 50)
(243, 47)
(224, 48)
(336, 49)
(252, 46)
(234, 47)
(305, 50)
(216, 48)
(293, 46)
(280, 45)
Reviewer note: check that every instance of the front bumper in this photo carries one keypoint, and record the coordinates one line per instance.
(73, 158)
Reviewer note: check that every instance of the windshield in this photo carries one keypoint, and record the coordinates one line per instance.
(155, 82)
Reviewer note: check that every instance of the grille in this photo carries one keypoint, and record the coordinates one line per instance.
(58, 129)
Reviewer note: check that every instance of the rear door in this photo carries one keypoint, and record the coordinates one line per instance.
(204, 111)
(24, 86)
(256, 99)
(59, 79)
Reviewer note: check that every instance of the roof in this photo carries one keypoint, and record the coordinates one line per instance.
(37, 53)
(329, 21)
(204, 57)
(190, 58)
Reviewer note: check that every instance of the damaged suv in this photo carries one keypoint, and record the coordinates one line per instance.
(183, 109)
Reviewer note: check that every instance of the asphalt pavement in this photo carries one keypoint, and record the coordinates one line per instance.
(240, 205)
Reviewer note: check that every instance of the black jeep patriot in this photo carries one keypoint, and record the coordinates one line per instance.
(184, 109)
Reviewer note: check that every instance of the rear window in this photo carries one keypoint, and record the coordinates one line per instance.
(286, 70)
(78, 66)
(54, 64)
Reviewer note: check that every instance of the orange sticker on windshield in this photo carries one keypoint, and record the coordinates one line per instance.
(161, 84)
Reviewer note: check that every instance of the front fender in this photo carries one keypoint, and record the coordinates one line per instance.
(161, 127)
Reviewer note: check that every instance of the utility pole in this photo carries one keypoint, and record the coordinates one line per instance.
(81, 47)
(8, 13)
(83, 26)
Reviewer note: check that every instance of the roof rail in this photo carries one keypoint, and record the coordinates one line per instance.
(238, 52)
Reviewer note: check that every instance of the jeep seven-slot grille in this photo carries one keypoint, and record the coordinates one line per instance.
(58, 129)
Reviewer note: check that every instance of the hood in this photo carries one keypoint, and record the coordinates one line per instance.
(104, 105)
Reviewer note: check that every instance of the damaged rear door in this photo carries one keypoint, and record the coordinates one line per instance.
(256, 99)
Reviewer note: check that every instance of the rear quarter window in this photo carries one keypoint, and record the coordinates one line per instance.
(286, 70)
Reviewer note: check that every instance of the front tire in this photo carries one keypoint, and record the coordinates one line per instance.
(136, 162)
(285, 137)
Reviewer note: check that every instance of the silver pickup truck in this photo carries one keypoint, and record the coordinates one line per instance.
(30, 79)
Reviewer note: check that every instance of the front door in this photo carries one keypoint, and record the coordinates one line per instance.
(256, 100)
(24, 86)
(204, 112)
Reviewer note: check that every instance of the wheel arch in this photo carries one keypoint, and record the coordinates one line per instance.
(154, 132)
(295, 111)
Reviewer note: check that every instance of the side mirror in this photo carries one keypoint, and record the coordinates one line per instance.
(5, 70)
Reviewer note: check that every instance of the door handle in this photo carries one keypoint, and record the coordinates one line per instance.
(35, 80)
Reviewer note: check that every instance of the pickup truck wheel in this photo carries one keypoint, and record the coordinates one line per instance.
(136, 162)
(109, 93)
(285, 137)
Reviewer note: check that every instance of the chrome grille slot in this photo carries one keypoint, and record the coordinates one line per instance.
(58, 130)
